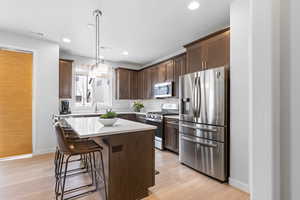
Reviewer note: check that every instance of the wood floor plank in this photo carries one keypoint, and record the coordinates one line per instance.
(32, 179)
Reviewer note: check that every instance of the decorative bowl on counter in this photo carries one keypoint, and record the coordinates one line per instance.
(109, 118)
(108, 121)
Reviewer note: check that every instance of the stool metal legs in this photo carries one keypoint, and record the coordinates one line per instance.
(103, 172)
(62, 173)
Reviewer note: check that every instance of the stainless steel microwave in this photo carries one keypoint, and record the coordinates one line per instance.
(163, 90)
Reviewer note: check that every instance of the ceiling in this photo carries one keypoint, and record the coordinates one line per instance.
(146, 29)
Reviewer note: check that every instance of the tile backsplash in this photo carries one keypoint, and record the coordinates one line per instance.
(155, 104)
(126, 105)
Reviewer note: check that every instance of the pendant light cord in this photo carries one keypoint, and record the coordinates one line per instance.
(97, 14)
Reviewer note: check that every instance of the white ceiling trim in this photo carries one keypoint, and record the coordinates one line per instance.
(176, 53)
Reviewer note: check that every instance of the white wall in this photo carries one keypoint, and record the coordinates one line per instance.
(290, 100)
(239, 94)
(45, 86)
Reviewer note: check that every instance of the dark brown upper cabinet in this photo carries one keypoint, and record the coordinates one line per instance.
(179, 70)
(209, 52)
(217, 51)
(140, 84)
(65, 79)
(126, 84)
(147, 83)
(154, 78)
(169, 70)
(195, 57)
(161, 72)
(133, 84)
(122, 83)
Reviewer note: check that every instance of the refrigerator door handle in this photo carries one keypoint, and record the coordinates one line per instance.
(201, 143)
(199, 97)
(202, 129)
(195, 97)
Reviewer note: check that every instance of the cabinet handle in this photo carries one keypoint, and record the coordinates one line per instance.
(173, 123)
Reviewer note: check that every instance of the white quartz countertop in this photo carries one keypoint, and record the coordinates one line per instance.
(86, 127)
(95, 114)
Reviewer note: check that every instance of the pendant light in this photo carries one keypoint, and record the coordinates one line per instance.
(97, 14)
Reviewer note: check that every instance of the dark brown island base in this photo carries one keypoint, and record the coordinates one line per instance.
(128, 153)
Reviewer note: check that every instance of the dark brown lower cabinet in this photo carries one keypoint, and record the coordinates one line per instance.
(131, 117)
(171, 135)
(129, 164)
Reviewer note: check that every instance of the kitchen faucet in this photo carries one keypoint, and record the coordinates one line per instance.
(96, 107)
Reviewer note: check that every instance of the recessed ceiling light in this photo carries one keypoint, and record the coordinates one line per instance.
(125, 53)
(194, 5)
(66, 40)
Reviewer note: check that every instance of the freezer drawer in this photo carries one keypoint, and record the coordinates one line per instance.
(206, 156)
(204, 131)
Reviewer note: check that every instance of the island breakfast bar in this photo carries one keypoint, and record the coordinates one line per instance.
(128, 153)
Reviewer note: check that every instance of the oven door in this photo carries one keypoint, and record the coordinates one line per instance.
(158, 133)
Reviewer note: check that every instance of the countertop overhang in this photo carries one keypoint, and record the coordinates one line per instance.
(86, 127)
(82, 114)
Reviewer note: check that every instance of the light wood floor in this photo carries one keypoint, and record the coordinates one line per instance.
(32, 179)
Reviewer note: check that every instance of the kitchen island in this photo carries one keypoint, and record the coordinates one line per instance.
(128, 153)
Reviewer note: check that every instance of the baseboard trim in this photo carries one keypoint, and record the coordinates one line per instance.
(44, 151)
(16, 157)
(239, 185)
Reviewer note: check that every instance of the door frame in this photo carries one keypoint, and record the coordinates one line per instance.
(33, 89)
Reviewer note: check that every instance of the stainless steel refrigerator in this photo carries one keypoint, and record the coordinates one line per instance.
(204, 121)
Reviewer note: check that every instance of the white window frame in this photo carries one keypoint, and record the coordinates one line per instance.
(77, 107)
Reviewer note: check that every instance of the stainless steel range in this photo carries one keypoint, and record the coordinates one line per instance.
(156, 119)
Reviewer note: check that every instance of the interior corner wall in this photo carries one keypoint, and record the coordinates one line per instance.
(45, 86)
(239, 94)
(264, 140)
(290, 100)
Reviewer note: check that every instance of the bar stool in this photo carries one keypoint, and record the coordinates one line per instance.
(68, 135)
(67, 149)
